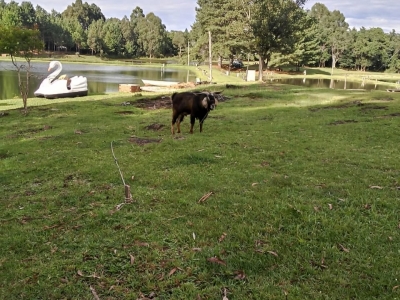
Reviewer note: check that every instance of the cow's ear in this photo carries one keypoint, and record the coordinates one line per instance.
(204, 102)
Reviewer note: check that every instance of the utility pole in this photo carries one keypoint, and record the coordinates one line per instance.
(188, 54)
(210, 55)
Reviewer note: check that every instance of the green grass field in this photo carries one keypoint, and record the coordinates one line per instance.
(288, 193)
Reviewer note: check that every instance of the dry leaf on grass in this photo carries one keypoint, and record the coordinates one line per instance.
(90, 276)
(172, 271)
(240, 275)
(142, 244)
(132, 259)
(254, 184)
(225, 293)
(273, 253)
(376, 187)
(223, 236)
(205, 197)
(196, 249)
(94, 293)
(216, 260)
(330, 206)
(343, 248)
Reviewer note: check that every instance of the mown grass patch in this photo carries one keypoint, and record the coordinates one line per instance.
(301, 202)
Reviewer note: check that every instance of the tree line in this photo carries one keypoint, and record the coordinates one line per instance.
(82, 27)
(275, 33)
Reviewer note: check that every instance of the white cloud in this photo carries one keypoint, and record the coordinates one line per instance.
(367, 13)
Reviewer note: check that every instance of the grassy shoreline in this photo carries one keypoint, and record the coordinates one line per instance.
(304, 198)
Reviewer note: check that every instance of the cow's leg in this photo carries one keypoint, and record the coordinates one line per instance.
(201, 126)
(178, 122)
(174, 117)
(192, 120)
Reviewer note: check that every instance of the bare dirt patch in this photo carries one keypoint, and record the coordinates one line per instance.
(125, 112)
(161, 102)
(340, 122)
(155, 127)
(232, 86)
(391, 115)
(383, 99)
(35, 130)
(371, 106)
(253, 95)
(143, 141)
(339, 106)
(4, 155)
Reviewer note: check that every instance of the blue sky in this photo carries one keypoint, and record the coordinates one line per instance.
(180, 14)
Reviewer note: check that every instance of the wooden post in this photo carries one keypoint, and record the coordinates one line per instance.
(210, 55)
(128, 196)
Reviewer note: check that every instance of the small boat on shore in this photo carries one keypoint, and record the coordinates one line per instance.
(159, 83)
(153, 88)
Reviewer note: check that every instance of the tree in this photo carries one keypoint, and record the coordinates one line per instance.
(78, 34)
(129, 37)
(95, 36)
(84, 13)
(319, 12)
(28, 14)
(136, 17)
(274, 24)
(17, 41)
(338, 37)
(179, 41)
(152, 34)
(306, 49)
(394, 61)
(227, 20)
(112, 36)
(10, 15)
(60, 34)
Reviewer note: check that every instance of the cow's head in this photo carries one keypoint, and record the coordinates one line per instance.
(210, 100)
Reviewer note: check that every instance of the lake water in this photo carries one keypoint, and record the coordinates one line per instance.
(334, 84)
(106, 79)
(101, 78)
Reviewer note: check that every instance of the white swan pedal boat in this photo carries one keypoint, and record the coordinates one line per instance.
(61, 87)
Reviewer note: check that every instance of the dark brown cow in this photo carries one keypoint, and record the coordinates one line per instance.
(197, 105)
